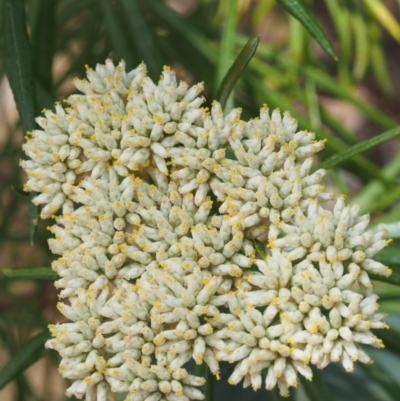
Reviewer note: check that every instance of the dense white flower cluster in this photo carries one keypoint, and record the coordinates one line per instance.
(157, 202)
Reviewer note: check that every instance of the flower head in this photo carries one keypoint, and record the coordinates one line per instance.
(157, 202)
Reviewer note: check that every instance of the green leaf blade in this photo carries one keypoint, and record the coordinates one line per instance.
(19, 68)
(359, 148)
(29, 353)
(37, 273)
(142, 36)
(295, 8)
(316, 389)
(236, 70)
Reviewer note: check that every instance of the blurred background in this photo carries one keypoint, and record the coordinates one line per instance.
(345, 101)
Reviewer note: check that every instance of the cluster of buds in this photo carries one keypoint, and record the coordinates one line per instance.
(158, 205)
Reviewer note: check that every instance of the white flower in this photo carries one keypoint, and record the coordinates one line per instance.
(156, 204)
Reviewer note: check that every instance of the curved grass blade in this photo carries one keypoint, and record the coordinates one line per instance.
(29, 353)
(361, 44)
(236, 70)
(371, 194)
(325, 82)
(178, 24)
(36, 273)
(116, 33)
(385, 17)
(142, 36)
(43, 41)
(361, 147)
(394, 278)
(18, 61)
(295, 8)
(227, 48)
(389, 256)
(316, 389)
(208, 388)
(378, 62)
(383, 376)
(339, 14)
(19, 68)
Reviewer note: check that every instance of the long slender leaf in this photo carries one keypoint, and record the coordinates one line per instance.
(371, 194)
(228, 40)
(116, 33)
(361, 42)
(19, 68)
(385, 17)
(28, 354)
(227, 47)
(394, 278)
(384, 377)
(389, 256)
(43, 42)
(359, 148)
(36, 273)
(208, 388)
(316, 389)
(377, 56)
(326, 82)
(176, 22)
(18, 61)
(295, 8)
(142, 36)
(236, 70)
(340, 17)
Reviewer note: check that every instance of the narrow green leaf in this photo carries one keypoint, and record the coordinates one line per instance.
(359, 148)
(340, 18)
(227, 47)
(313, 104)
(361, 43)
(37, 273)
(19, 68)
(393, 279)
(178, 24)
(260, 248)
(295, 8)
(316, 389)
(377, 56)
(29, 353)
(204, 371)
(389, 256)
(43, 42)
(371, 194)
(116, 33)
(18, 61)
(142, 36)
(383, 377)
(390, 338)
(209, 386)
(236, 70)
